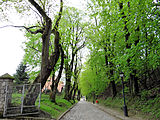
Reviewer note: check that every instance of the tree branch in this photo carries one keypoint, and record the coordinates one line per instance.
(80, 47)
(62, 63)
(59, 17)
(27, 28)
(35, 49)
(40, 10)
(38, 15)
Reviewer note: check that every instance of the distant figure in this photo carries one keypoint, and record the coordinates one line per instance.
(83, 98)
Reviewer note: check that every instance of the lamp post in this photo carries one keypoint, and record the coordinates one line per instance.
(125, 106)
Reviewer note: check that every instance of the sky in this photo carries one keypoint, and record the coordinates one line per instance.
(11, 39)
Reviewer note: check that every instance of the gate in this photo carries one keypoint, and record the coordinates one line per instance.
(14, 98)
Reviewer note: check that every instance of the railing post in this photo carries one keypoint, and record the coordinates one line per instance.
(22, 99)
(39, 96)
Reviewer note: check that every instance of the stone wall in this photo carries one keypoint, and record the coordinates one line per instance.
(5, 80)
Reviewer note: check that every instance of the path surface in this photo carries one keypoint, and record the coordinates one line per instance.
(87, 111)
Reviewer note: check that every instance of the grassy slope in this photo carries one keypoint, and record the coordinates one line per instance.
(144, 107)
(54, 110)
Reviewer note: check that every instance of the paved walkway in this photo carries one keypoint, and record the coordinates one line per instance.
(87, 111)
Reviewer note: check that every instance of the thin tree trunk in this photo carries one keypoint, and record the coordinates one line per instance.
(53, 81)
(74, 93)
(114, 91)
(136, 86)
(94, 97)
(56, 81)
(79, 95)
(135, 78)
(71, 91)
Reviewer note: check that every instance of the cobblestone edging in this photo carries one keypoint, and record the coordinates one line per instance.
(59, 118)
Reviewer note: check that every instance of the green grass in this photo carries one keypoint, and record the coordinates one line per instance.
(145, 108)
(16, 99)
(114, 103)
(55, 110)
(150, 107)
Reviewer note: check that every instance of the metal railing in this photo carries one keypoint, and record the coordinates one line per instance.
(14, 100)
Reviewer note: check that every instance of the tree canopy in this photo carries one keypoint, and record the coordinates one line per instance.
(127, 35)
(121, 36)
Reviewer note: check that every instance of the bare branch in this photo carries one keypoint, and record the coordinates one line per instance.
(38, 15)
(40, 10)
(35, 49)
(11, 26)
(80, 47)
(27, 28)
(80, 32)
(34, 32)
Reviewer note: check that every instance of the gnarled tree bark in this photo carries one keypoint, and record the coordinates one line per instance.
(48, 63)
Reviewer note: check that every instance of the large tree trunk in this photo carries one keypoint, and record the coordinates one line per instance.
(29, 99)
(67, 89)
(47, 65)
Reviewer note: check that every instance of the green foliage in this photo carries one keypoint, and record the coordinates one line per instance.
(113, 23)
(32, 57)
(113, 103)
(21, 76)
(148, 108)
(54, 109)
(93, 78)
(127, 37)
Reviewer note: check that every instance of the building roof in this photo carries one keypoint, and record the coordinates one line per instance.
(6, 76)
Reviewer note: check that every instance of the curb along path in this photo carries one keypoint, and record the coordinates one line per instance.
(86, 111)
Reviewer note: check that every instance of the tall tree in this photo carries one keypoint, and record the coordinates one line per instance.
(21, 76)
(73, 39)
(125, 35)
(48, 62)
